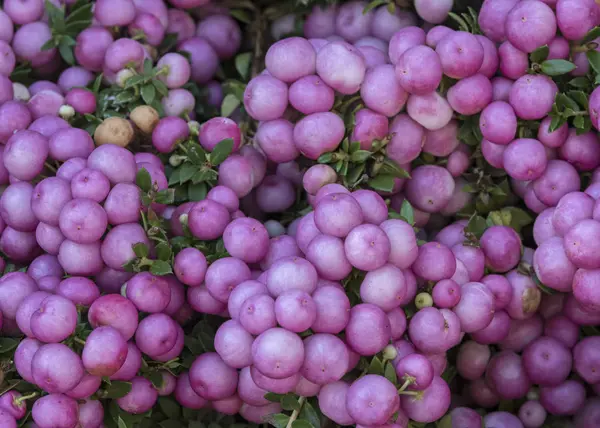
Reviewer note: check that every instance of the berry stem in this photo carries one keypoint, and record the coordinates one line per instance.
(414, 393)
(405, 385)
(295, 413)
(9, 387)
(50, 167)
(19, 400)
(163, 71)
(182, 147)
(80, 341)
(145, 223)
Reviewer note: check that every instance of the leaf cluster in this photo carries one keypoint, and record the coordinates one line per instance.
(306, 413)
(194, 170)
(66, 27)
(364, 168)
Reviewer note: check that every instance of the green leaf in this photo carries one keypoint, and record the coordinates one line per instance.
(428, 158)
(229, 104)
(21, 74)
(234, 87)
(300, 423)
(118, 389)
(81, 11)
(449, 374)
(394, 215)
(97, 83)
(407, 212)
(345, 145)
(354, 147)
(275, 398)
(460, 20)
(221, 151)
(391, 167)
(580, 82)
(56, 16)
(241, 15)
(205, 175)
(519, 218)
(544, 288)
(164, 252)
(591, 35)
(50, 44)
(497, 218)
(197, 192)
(360, 156)
(156, 378)
(557, 122)
(144, 180)
(290, 402)
(194, 345)
(160, 87)
(446, 422)
(134, 80)
(470, 188)
(76, 27)
(168, 42)
(92, 119)
(593, 57)
(169, 407)
(170, 423)
(390, 373)
(186, 172)
(148, 66)
(113, 410)
(148, 93)
(121, 423)
(7, 344)
(476, 226)
(376, 367)
(141, 250)
(372, 5)
(146, 199)
(579, 122)
(580, 97)
(136, 421)
(557, 67)
(125, 97)
(68, 41)
(160, 268)
(309, 414)
(382, 182)
(540, 54)
(174, 176)
(278, 420)
(196, 154)
(354, 174)
(338, 165)
(242, 64)
(563, 101)
(325, 158)
(166, 196)
(130, 266)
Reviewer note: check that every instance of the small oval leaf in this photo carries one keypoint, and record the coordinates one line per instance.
(557, 67)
